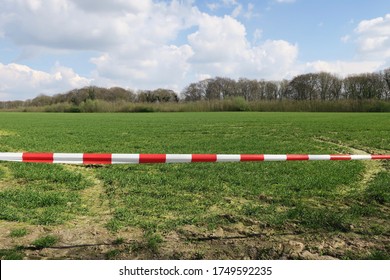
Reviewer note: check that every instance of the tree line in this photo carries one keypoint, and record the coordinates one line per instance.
(312, 86)
(321, 86)
(77, 97)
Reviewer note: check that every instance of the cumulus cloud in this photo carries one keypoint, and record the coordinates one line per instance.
(163, 67)
(72, 27)
(22, 82)
(373, 38)
(221, 47)
(114, 6)
(343, 68)
(151, 43)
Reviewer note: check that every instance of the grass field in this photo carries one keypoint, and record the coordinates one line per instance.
(266, 210)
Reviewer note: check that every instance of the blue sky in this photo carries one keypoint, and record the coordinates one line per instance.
(52, 46)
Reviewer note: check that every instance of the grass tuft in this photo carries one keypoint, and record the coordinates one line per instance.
(19, 232)
(45, 241)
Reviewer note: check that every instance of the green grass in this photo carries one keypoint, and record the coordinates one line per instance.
(191, 132)
(45, 241)
(324, 196)
(53, 176)
(37, 207)
(379, 190)
(42, 194)
(18, 232)
(11, 254)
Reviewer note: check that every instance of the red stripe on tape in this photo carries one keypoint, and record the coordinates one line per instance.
(297, 157)
(152, 158)
(340, 157)
(204, 158)
(97, 159)
(38, 157)
(252, 157)
(380, 156)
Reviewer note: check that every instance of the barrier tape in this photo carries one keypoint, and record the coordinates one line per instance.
(85, 158)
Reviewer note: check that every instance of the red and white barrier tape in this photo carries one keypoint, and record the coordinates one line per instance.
(170, 158)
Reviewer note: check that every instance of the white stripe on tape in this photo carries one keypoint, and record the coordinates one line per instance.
(359, 157)
(228, 158)
(125, 158)
(274, 157)
(172, 158)
(319, 157)
(11, 156)
(68, 158)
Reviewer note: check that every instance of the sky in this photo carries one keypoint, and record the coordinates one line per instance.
(53, 46)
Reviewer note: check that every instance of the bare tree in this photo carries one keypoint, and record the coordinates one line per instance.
(363, 86)
(304, 87)
(195, 91)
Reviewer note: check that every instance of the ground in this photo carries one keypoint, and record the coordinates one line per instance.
(87, 237)
(97, 228)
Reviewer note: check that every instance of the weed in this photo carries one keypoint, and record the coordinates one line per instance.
(153, 241)
(45, 242)
(113, 225)
(379, 255)
(198, 255)
(112, 254)
(118, 241)
(11, 254)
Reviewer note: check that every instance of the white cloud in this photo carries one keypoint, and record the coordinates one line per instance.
(250, 13)
(343, 68)
(135, 44)
(116, 6)
(373, 38)
(285, 1)
(345, 39)
(237, 11)
(22, 82)
(221, 48)
(163, 67)
(213, 6)
(217, 39)
(257, 35)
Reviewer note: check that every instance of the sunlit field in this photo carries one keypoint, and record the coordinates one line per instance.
(243, 210)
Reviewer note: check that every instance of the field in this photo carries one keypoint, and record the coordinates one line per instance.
(263, 210)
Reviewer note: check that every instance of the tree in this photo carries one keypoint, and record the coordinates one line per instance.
(364, 86)
(248, 89)
(386, 79)
(165, 95)
(335, 88)
(41, 100)
(220, 88)
(304, 87)
(196, 91)
(283, 90)
(271, 90)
